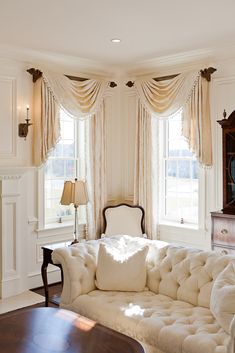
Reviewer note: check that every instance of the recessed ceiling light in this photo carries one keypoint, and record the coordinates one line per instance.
(115, 40)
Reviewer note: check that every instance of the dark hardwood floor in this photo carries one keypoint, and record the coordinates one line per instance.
(54, 289)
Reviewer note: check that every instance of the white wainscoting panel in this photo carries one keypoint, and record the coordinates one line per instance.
(9, 222)
(7, 117)
(10, 250)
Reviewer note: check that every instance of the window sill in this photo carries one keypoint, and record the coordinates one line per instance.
(62, 231)
(56, 229)
(179, 225)
(182, 234)
(55, 225)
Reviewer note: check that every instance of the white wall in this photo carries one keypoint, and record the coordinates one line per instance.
(121, 128)
(21, 238)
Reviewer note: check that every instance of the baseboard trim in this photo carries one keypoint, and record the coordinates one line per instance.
(35, 279)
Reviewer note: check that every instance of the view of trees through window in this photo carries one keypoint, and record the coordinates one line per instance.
(180, 175)
(64, 163)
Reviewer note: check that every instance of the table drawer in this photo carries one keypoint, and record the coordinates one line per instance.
(223, 231)
(224, 251)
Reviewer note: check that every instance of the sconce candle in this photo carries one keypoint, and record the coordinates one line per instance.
(27, 117)
(24, 127)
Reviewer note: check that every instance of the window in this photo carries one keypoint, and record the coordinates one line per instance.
(65, 162)
(179, 171)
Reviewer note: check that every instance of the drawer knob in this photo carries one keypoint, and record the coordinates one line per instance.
(224, 231)
(224, 252)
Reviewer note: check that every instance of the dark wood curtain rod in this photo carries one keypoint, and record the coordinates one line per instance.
(37, 74)
(206, 73)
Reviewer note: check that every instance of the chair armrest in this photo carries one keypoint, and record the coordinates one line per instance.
(79, 269)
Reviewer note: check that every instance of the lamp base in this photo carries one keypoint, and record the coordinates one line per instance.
(75, 241)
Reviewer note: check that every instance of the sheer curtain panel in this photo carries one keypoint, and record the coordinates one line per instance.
(82, 100)
(187, 91)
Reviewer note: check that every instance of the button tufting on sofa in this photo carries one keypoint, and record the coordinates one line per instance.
(172, 316)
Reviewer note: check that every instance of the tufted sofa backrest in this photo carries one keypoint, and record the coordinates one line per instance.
(183, 273)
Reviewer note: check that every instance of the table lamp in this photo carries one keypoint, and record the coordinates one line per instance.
(76, 193)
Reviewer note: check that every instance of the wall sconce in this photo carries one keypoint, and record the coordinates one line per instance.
(24, 127)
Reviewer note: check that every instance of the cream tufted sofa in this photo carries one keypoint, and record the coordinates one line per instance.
(171, 316)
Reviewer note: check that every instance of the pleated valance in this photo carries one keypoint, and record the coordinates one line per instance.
(187, 91)
(80, 99)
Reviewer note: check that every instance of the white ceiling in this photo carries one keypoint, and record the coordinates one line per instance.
(148, 29)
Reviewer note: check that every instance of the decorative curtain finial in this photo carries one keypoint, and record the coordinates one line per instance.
(206, 73)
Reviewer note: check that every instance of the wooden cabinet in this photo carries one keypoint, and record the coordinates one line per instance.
(223, 232)
(228, 136)
(223, 223)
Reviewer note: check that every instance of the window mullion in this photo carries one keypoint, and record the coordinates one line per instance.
(64, 166)
(177, 180)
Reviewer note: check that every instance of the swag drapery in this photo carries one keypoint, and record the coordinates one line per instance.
(188, 91)
(85, 99)
(81, 100)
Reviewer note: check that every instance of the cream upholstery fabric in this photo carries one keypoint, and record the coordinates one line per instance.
(223, 297)
(185, 274)
(123, 220)
(79, 262)
(79, 268)
(122, 272)
(157, 320)
(172, 316)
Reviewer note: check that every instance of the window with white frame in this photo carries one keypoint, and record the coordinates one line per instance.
(179, 174)
(65, 162)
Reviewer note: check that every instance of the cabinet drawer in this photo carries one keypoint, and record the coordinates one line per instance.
(223, 231)
(224, 251)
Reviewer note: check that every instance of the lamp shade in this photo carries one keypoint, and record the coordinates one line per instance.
(74, 192)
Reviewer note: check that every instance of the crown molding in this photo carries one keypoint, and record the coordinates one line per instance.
(50, 60)
(162, 65)
(182, 61)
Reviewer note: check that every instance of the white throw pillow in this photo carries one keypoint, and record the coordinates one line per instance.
(222, 303)
(122, 272)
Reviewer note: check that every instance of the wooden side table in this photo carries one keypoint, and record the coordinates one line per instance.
(51, 330)
(47, 259)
